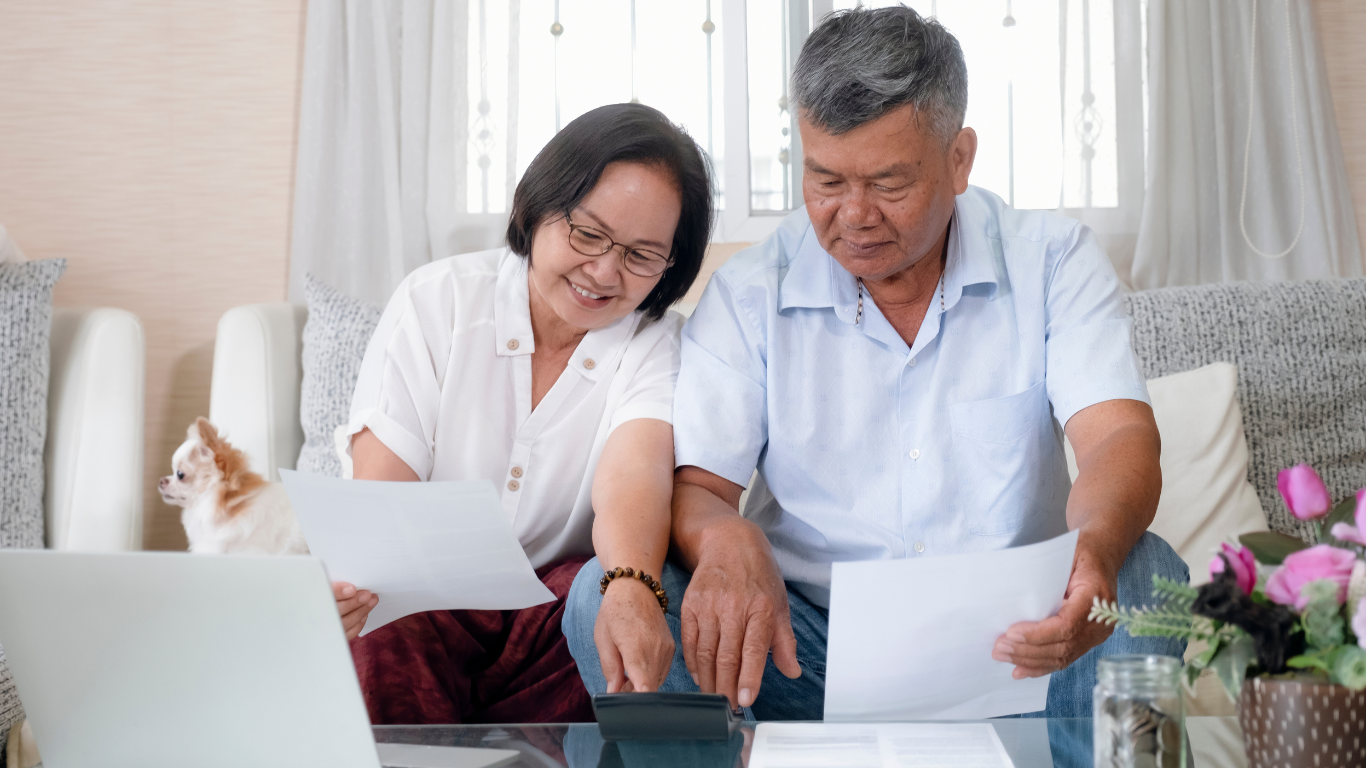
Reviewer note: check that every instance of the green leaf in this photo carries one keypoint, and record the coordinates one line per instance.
(1271, 548)
(1308, 661)
(1201, 661)
(1349, 668)
(1231, 663)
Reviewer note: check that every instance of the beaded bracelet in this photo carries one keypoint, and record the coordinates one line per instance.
(641, 576)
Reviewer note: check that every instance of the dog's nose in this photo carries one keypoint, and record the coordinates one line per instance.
(165, 481)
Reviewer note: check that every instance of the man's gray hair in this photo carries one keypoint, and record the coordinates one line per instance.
(859, 64)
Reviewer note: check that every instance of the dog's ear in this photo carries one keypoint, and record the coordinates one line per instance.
(207, 432)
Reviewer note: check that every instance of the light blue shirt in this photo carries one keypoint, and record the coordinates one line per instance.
(870, 449)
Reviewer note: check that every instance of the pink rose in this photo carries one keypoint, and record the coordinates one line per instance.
(1354, 533)
(1244, 566)
(1300, 568)
(1304, 492)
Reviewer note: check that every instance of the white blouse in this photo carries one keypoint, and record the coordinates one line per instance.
(446, 385)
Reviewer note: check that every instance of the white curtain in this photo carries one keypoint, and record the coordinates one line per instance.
(1221, 204)
(383, 131)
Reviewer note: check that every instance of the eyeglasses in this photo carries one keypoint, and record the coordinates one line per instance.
(641, 262)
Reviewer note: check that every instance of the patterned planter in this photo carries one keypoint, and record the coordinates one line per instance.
(1291, 724)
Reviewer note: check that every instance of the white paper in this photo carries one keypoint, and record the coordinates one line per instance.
(912, 639)
(884, 745)
(419, 546)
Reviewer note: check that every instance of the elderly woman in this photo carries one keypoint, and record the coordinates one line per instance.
(547, 367)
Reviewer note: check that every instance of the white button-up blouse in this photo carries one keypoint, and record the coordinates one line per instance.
(446, 385)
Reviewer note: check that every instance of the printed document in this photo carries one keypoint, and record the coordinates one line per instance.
(886, 745)
(911, 639)
(419, 546)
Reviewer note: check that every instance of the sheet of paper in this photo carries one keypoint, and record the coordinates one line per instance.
(422, 756)
(911, 639)
(419, 546)
(883, 745)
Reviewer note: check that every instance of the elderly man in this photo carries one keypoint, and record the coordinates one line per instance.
(899, 360)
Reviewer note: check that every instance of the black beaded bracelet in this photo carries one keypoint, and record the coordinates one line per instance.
(642, 577)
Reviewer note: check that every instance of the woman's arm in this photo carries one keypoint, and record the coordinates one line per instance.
(632, 494)
(371, 460)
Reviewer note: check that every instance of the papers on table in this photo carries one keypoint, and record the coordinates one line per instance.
(419, 546)
(886, 745)
(912, 639)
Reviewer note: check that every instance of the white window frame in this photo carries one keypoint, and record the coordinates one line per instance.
(739, 223)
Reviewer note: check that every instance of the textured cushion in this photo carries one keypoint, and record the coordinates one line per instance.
(335, 336)
(1300, 349)
(1206, 496)
(25, 326)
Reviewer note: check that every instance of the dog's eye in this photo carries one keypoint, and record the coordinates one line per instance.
(180, 475)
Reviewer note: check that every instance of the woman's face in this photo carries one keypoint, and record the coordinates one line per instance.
(636, 205)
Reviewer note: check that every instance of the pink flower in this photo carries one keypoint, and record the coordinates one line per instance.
(1244, 566)
(1354, 533)
(1300, 568)
(1303, 492)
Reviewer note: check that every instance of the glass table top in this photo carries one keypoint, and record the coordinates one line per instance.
(1215, 742)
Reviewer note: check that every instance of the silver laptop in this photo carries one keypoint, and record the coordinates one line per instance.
(169, 659)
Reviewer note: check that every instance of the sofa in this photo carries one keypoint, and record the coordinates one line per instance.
(93, 455)
(1245, 378)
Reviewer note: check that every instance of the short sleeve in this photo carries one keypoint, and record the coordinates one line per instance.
(398, 391)
(650, 393)
(1089, 357)
(720, 408)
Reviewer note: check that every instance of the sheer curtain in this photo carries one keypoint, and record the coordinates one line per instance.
(384, 137)
(1245, 178)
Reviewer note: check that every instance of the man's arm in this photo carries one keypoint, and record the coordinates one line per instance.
(1112, 503)
(735, 608)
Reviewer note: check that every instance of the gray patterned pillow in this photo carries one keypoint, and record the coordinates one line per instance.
(335, 336)
(25, 325)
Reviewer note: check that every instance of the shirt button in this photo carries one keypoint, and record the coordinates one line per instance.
(513, 344)
(915, 454)
(588, 363)
(513, 485)
(516, 471)
(919, 546)
(912, 363)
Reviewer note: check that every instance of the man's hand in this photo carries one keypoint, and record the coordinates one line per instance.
(354, 605)
(734, 611)
(1037, 648)
(633, 640)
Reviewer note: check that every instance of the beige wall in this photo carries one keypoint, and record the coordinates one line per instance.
(152, 145)
(1340, 28)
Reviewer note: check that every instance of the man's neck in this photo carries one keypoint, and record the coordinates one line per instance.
(914, 286)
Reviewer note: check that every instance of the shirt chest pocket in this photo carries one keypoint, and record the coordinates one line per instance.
(1000, 447)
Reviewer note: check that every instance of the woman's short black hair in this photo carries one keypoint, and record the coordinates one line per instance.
(568, 168)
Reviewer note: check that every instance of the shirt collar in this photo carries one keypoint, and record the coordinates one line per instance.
(814, 279)
(597, 351)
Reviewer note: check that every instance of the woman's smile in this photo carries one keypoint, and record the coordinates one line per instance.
(587, 298)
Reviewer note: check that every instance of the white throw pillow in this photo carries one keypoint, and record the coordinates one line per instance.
(1206, 496)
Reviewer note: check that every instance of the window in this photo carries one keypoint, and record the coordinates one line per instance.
(1055, 94)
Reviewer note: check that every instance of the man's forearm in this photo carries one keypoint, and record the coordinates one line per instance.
(1115, 496)
(705, 505)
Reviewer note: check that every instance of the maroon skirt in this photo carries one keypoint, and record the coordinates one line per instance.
(444, 667)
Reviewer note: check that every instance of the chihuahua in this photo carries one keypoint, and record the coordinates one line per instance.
(228, 508)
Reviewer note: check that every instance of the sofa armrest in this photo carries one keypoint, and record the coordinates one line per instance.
(254, 396)
(94, 451)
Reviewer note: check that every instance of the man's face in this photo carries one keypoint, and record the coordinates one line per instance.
(880, 196)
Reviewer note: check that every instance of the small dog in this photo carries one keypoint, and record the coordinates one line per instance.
(228, 508)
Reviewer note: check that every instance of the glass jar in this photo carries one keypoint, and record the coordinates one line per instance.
(1138, 713)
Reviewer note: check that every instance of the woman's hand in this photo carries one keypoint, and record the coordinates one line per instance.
(633, 639)
(354, 605)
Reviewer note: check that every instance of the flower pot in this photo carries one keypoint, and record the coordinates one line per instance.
(1293, 724)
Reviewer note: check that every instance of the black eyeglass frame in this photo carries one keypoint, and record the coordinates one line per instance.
(653, 256)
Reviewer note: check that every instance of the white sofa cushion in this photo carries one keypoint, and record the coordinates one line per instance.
(1206, 496)
(336, 335)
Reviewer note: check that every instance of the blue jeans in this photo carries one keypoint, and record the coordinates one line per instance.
(1069, 691)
